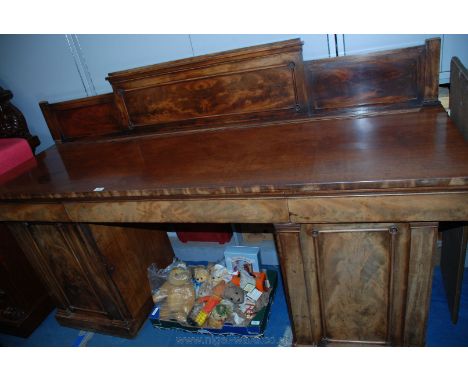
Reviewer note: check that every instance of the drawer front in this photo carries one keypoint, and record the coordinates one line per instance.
(182, 211)
(33, 212)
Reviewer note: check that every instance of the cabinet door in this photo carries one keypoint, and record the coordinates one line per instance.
(360, 280)
(69, 268)
(96, 272)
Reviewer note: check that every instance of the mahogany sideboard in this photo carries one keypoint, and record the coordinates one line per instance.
(352, 159)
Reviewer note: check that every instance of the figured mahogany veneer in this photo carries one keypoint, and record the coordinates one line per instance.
(81, 118)
(402, 77)
(240, 85)
(352, 159)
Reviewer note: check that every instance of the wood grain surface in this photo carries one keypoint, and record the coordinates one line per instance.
(295, 277)
(84, 117)
(407, 77)
(238, 85)
(359, 272)
(421, 265)
(182, 211)
(409, 151)
(380, 207)
(459, 95)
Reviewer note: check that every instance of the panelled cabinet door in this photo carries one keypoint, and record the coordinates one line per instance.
(360, 278)
(69, 268)
(96, 272)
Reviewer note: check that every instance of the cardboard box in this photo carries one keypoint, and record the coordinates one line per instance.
(256, 328)
(237, 256)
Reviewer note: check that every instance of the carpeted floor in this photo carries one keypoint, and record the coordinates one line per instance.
(440, 330)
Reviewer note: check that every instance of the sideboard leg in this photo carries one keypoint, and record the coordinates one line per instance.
(421, 265)
(288, 242)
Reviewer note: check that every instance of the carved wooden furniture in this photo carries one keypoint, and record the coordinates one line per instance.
(352, 159)
(12, 122)
(455, 235)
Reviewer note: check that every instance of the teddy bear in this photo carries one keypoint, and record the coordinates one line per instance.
(219, 273)
(177, 293)
(201, 278)
(242, 307)
(234, 294)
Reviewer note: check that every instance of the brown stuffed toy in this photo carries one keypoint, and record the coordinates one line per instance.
(234, 294)
(178, 293)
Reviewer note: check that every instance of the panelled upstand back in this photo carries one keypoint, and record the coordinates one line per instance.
(354, 177)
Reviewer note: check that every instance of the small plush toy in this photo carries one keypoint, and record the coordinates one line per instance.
(219, 273)
(200, 274)
(178, 294)
(218, 316)
(234, 293)
(201, 277)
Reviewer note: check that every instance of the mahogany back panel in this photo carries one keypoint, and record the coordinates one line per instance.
(244, 84)
(257, 84)
(81, 118)
(403, 76)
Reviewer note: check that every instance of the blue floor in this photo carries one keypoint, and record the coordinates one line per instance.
(440, 330)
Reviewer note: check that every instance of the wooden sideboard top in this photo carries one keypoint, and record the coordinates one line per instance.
(412, 150)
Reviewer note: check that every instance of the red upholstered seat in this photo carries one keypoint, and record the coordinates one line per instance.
(13, 152)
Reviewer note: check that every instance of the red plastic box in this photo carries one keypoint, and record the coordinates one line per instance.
(220, 233)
